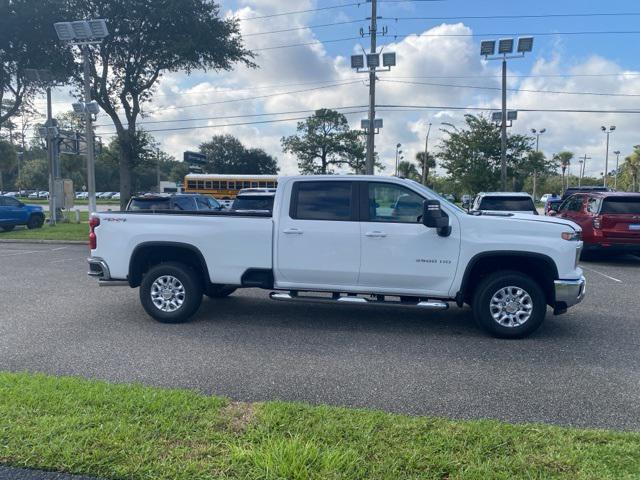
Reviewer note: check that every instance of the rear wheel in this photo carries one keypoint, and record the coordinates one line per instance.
(8, 228)
(219, 291)
(509, 304)
(171, 292)
(35, 221)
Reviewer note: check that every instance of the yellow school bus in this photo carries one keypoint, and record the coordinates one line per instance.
(226, 187)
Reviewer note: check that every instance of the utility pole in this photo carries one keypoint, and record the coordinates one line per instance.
(615, 181)
(582, 170)
(88, 133)
(606, 161)
(371, 135)
(503, 128)
(426, 156)
(50, 155)
(158, 168)
(537, 133)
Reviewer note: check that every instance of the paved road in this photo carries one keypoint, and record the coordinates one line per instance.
(581, 369)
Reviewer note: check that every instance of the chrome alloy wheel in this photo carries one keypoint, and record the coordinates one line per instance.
(511, 306)
(167, 293)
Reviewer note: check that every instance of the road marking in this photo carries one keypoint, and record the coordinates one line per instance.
(56, 249)
(20, 253)
(604, 275)
(63, 260)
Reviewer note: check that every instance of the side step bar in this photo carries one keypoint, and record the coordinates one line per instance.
(379, 300)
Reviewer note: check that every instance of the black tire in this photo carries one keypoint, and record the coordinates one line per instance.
(219, 291)
(490, 286)
(8, 228)
(191, 297)
(35, 221)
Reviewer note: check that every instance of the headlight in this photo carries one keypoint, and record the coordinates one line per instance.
(572, 236)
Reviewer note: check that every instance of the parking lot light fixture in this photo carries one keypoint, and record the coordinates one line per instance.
(606, 161)
(615, 179)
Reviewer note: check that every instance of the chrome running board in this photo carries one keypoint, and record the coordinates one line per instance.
(377, 300)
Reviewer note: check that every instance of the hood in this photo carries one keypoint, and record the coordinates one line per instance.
(544, 219)
(34, 208)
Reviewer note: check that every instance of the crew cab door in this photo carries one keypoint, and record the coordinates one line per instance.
(11, 211)
(318, 238)
(399, 254)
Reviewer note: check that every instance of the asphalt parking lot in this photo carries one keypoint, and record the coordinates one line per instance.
(579, 369)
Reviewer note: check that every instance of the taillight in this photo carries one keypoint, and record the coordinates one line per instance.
(597, 223)
(93, 240)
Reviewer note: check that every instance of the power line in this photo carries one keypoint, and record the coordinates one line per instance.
(290, 112)
(478, 87)
(303, 27)
(485, 109)
(296, 12)
(177, 107)
(499, 17)
(279, 120)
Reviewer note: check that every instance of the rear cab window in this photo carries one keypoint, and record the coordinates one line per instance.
(149, 204)
(513, 204)
(323, 200)
(621, 205)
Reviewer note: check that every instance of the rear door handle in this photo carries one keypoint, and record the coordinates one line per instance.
(375, 234)
(292, 231)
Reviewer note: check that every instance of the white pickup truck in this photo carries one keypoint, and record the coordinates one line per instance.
(347, 239)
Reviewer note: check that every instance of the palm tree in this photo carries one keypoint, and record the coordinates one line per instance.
(564, 160)
(632, 163)
(430, 163)
(408, 169)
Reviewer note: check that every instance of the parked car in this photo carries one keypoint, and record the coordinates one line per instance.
(115, 196)
(337, 237)
(504, 202)
(450, 197)
(254, 200)
(173, 201)
(610, 221)
(545, 197)
(552, 205)
(587, 189)
(13, 212)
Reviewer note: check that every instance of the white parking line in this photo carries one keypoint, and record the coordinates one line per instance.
(63, 260)
(600, 273)
(59, 248)
(19, 253)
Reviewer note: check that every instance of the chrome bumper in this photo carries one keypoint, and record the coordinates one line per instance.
(98, 268)
(569, 293)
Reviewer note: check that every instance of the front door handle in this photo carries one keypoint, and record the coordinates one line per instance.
(375, 234)
(292, 231)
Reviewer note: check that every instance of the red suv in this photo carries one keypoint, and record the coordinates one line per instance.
(610, 221)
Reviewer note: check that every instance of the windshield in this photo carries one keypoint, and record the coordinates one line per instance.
(436, 196)
(507, 204)
(253, 203)
(149, 204)
(621, 205)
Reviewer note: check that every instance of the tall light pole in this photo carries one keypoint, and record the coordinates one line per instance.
(537, 133)
(615, 181)
(426, 156)
(83, 33)
(583, 166)
(606, 161)
(505, 49)
(398, 151)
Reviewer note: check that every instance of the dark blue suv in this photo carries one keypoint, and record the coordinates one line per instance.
(13, 212)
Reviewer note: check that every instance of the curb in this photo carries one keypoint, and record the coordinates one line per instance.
(51, 242)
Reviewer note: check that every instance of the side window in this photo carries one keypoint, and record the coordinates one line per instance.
(393, 203)
(593, 206)
(322, 201)
(10, 202)
(201, 203)
(2, 201)
(184, 203)
(576, 204)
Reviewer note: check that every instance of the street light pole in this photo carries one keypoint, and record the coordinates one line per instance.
(397, 152)
(537, 133)
(615, 181)
(426, 156)
(503, 128)
(606, 161)
(88, 132)
(372, 92)
(50, 156)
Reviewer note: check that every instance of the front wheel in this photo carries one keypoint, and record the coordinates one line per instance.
(35, 221)
(509, 304)
(171, 292)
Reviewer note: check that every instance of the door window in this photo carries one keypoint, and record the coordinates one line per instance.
(393, 203)
(184, 203)
(10, 202)
(594, 205)
(322, 201)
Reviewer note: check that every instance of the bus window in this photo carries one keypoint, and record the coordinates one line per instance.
(271, 184)
(254, 184)
(200, 184)
(215, 185)
(231, 185)
(208, 185)
(191, 184)
(246, 184)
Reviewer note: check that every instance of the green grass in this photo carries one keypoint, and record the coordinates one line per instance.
(62, 231)
(135, 432)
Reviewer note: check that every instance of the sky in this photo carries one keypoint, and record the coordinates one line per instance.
(438, 66)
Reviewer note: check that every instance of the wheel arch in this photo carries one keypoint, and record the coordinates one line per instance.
(540, 267)
(149, 254)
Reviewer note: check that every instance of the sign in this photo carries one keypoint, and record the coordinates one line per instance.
(194, 158)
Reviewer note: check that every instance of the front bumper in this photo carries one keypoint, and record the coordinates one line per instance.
(568, 293)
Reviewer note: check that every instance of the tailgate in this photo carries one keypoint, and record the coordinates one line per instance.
(620, 217)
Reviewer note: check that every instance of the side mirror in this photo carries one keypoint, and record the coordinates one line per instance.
(434, 217)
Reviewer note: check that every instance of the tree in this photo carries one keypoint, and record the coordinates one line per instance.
(630, 170)
(324, 140)
(27, 40)
(8, 160)
(472, 155)
(430, 163)
(146, 40)
(563, 159)
(34, 174)
(226, 154)
(407, 169)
